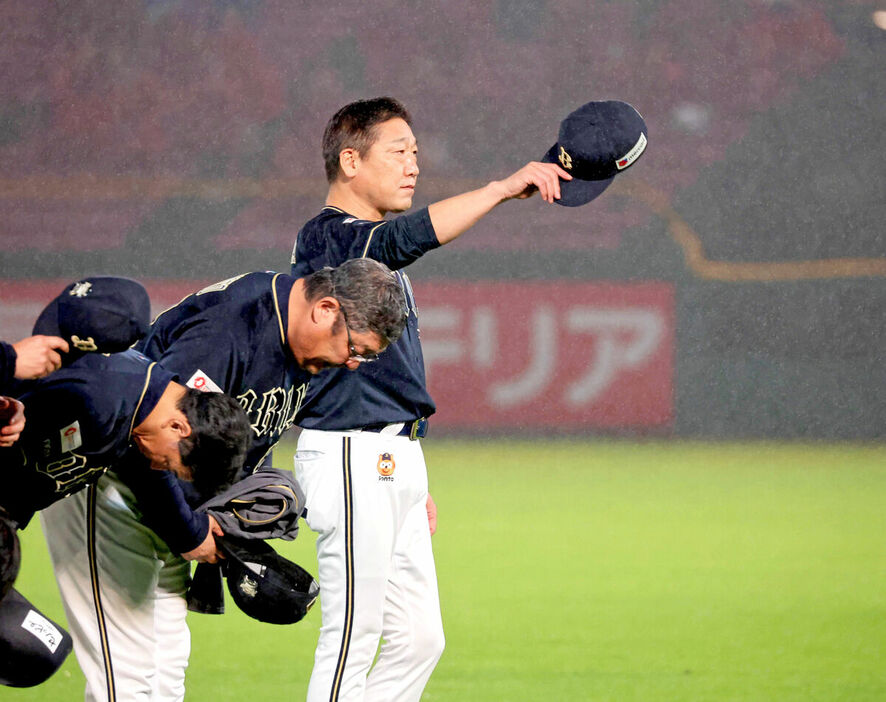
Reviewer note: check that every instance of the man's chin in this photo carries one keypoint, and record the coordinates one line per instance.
(401, 205)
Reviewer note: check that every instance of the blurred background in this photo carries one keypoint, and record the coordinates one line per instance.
(732, 284)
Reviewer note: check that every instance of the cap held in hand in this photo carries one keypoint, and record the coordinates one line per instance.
(596, 142)
(103, 314)
(264, 584)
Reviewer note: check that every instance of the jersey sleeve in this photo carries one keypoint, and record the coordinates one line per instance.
(163, 504)
(396, 242)
(7, 366)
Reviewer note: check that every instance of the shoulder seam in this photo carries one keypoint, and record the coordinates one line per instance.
(142, 397)
(369, 238)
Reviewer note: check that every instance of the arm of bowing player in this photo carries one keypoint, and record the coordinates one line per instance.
(207, 551)
(165, 509)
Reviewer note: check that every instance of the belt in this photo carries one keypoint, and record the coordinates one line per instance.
(416, 429)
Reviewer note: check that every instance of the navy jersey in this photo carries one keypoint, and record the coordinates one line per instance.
(393, 388)
(231, 337)
(79, 422)
(7, 366)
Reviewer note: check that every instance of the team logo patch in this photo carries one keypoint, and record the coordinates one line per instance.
(565, 159)
(87, 344)
(71, 438)
(386, 466)
(202, 382)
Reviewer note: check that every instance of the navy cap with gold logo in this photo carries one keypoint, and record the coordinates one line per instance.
(596, 142)
(101, 313)
(264, 584)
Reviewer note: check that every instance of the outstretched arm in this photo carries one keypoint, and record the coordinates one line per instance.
(455, 215)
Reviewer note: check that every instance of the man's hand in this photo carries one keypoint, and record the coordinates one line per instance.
(432, 514)
(544, 177)
(38, 356)
(207, 552)
(12, 420)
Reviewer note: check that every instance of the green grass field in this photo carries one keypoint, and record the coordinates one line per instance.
(608, 570)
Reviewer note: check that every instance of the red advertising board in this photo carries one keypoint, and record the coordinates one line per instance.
(560, 354)
(506, 355)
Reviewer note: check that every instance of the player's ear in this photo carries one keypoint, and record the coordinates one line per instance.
(180, 425)
(325, 309)
(348, 161)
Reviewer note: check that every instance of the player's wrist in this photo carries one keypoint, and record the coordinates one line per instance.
(497, 191)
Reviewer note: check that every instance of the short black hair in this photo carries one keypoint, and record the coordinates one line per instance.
(220, 436)
(369, 293)
(353, 127)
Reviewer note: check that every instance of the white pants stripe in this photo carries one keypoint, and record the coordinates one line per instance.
(102, 630)
(347, 628)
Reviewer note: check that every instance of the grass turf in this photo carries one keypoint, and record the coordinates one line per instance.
(608, 570)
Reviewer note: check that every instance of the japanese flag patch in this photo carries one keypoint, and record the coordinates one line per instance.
(71, 438)
(202, 382)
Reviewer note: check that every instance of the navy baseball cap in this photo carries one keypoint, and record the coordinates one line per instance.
(264, 584)
(596, 142)
(101, 313)
(32, 646)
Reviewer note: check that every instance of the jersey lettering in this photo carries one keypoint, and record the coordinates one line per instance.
(274, 413)
(70, 473)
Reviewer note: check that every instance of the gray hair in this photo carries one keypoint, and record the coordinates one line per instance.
(368, 292)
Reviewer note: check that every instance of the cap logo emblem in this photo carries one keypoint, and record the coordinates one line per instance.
(80, 289)
(386, 465)
(565, 159)
(87, 344)
(248, 586)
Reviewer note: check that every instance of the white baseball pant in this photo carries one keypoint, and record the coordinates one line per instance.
(123, 592)
(366, 497)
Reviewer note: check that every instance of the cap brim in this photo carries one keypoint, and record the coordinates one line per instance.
(576, 192)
